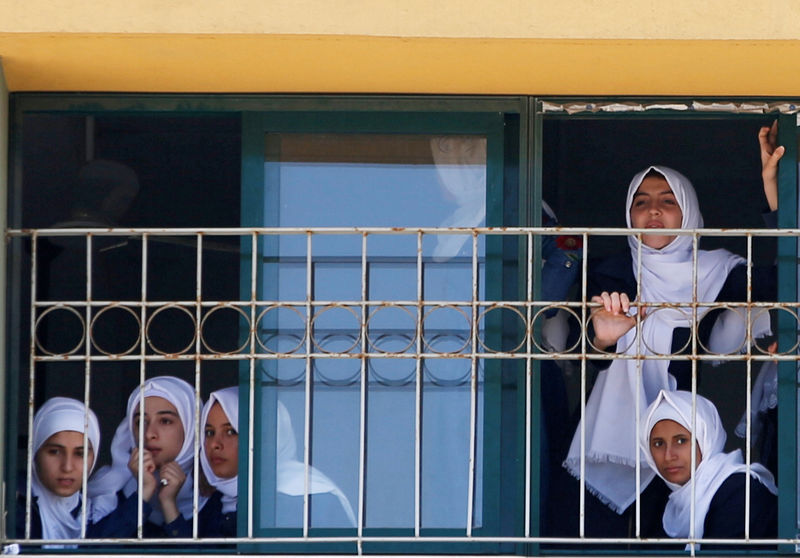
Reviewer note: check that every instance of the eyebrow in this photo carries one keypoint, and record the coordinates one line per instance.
(223, 424)
(661, 193)
(136, 415)
(52, 445)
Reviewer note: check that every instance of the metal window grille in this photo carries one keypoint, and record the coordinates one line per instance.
(477, 348)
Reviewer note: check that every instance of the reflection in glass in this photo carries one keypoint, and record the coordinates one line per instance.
(372, 180)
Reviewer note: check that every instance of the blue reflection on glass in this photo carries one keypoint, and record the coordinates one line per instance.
(334, 194)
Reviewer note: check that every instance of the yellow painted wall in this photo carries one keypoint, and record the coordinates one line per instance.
(565, 19)
(579, 47)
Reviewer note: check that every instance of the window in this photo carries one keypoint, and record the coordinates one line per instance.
(373, 172)
(403, 387)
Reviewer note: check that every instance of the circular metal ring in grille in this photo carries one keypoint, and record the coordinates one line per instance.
(500, 307)
(318, 343)
(152, 318)
(211, 312)
(374, 340)
(105, 311)
(52, 310)
(686, 314)
(277, 307)
(428, 342)
(541, 313)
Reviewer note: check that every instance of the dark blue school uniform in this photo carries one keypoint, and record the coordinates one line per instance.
(211, 521)
(725, 516)
(123, 521)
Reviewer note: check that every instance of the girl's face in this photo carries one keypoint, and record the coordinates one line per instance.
(222, 443)
(59, 462)
(670, 445)
(163, 430)
(654, 207)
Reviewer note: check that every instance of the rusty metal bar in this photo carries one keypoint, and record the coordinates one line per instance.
(475, 350)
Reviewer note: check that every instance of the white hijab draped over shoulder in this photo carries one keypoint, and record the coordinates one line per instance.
(60, 414)
(666, 276)
(228, 400)
(111, 479)
(714, 468)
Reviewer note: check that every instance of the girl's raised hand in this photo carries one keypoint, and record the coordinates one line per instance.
(611, 320)
(148, 479)
(771, 153)
(172, 479)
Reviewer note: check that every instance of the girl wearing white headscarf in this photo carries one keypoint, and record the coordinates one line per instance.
(221, 444)
(666, 275)
(114, 490)
(718, 480)
(57, 472)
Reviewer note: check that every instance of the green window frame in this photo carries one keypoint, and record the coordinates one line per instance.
(632, 109)
(502, 120)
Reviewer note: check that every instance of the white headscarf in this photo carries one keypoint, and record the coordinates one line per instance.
(714, 468)
(291, 473)
(666, 276)
(228, 399)
(110, 479)
(60, 414)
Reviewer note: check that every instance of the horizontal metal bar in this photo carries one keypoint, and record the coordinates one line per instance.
(411, 539)
(509, 231)
(342, 303)
(412, 356)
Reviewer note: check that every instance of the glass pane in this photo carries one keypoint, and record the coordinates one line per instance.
(371, 180)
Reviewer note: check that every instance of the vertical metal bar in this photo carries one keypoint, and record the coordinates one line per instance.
(86, 386)
(584, 333)
(309, 387)
(528, 367)
(748, 384)
(32, 382)
(787, 408)
(252, 387)
(197, 361)
(473, 385)
(418, 392)
(640, 349)
(362, 429)
(693, 438)
(142, 363)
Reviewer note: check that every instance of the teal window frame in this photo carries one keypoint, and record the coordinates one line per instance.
(489, 124)
(504, 119)
(787, 258)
